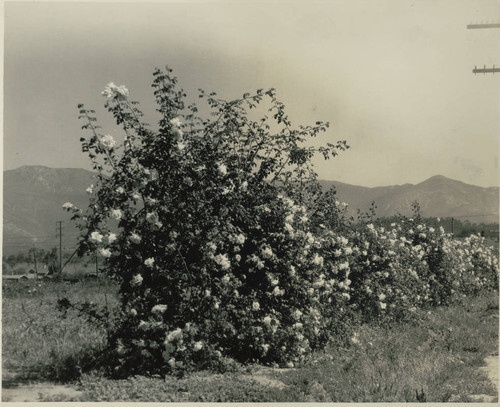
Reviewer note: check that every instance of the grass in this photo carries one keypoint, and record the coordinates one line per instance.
(37, 341)
(434, 359)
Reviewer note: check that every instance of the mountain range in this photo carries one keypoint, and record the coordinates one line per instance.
(33, 197)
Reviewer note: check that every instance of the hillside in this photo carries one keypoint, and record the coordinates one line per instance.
(32, 204)
(438, 196)
(33, 198)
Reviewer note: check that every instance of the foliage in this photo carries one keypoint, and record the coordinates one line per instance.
(226, 246)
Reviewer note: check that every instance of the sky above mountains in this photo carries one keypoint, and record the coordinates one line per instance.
(394, 78)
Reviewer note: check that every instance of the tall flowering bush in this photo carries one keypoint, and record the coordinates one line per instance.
(211, 227)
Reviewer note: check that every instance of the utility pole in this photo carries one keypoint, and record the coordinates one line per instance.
(484, 70)
(34, 260)
(59, 224)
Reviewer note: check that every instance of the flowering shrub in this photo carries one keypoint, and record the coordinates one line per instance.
(225, 245)
(416, 265)
(206, 224)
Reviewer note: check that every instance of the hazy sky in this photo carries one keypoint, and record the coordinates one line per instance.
(394, 78)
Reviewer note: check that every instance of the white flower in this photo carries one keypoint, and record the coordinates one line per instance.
(149, 262)
(277, 291)
(298, 325)
(382, 305)
(133, 312)
(275, 282)
(198, 346)
(292, 271)
(318, 260)
(136, 196)
(120, 190)
(105, 252)
(171, 362)
(176, 122)
(109, 90)
(337, 253)
(113, 91)
(297, 314)
(116, 214)
(256, 306)
(122, 92)
(107, 141)
(175, 334)
(111, 237)
(267, 320)
(265, 347)
(90, 189)
(96, 237)
(223, 261)
(240, 239)
(348, 251)
(288, 228)
(244, 186)
(222, 169)
(137, 280)
(267, 253)
(68, 206)
(135, 238)
(159, 308)
(226, 279)
(381, 297)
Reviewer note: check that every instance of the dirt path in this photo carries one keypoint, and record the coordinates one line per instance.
(14, 390)
(491, 370)
(35, 392)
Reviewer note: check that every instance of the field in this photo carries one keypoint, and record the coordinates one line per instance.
(438, 357)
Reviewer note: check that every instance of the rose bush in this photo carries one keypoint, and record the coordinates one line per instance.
(206, 224)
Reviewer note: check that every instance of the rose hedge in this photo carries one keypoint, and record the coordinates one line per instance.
(225, 245)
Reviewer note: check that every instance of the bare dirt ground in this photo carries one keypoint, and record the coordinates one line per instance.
(13, 391)
(35, 392)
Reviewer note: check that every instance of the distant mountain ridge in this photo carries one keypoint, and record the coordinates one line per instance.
(437, 196)
(32, 204)
(33, 197)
